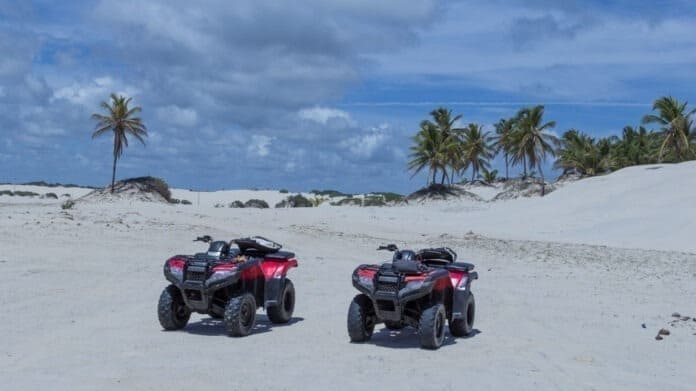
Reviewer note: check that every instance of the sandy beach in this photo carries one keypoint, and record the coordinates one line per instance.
(572, 292)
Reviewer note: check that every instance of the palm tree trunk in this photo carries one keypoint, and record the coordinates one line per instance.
(506, 167)
(524, 161)
(543, 183)
(444, 174)
(434, 173)
(113, 175)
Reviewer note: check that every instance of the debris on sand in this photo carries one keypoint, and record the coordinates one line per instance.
(676, 315)
(663, 332)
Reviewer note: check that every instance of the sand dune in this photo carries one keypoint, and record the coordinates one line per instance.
(559, 304)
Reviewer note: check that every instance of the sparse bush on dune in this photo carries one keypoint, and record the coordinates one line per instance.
(373, 201)
(151, 183)
(219, 205)
(174, 201)
(330, 193)
(7, 193)
(67, 195)
(69, 204)
(256, 203)
(348, 201)
(51, 195)
(185, 202)
(20, 193)
(295, 201)
(283, 191)
(236, 204)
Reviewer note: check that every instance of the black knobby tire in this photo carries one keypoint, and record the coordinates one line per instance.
(431, 327)
(393, 325)
(361, 319)
(171, 309)
(282, 313)
(464, 326)
(240, 315)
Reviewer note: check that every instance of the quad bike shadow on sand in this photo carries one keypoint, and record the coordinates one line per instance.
(216, 327)
(423, 290)
(229, 284)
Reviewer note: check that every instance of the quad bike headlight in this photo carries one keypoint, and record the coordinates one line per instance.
(221, 274)
(175, 268)
(365, 281)
(414, 285)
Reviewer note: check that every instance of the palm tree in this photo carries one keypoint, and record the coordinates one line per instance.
(444, 123)
(504, 129)
(677, 135)
(120, 120)
(580, 153)
(636, 146)
(431, 150)
(531, 141)
(477, 148)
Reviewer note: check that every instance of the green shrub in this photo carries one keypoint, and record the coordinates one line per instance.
(6, 192)
(283, 191)
(295, 201)
(219, 205)
(185, 202)
(373, 201)
(236, 204)
(348, 201)
(174, 201)
(26, 193)
(51, 195)
(68, 204)
(330, 193)
(255, 203)
(66, 195)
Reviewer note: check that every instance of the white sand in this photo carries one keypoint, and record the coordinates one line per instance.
(559, 304)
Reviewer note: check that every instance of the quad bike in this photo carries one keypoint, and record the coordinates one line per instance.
(419, 289)
(229, 284)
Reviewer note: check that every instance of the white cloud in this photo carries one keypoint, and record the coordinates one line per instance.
(93, 92)
(323, 115)
(178, 116)
(365, 145)
(259, 145)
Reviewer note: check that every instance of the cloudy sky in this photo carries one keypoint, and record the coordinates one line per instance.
(317, 94)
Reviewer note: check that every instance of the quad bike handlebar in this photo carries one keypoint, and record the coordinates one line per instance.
(204, 239)
(389, 247)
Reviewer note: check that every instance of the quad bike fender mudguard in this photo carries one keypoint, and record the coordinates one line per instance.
(275, 272)
(460, 296)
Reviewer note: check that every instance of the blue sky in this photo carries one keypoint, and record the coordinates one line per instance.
(324, 94)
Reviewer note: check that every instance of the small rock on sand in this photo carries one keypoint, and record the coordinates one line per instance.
(658, 337)
(676, 315)
(663, 332)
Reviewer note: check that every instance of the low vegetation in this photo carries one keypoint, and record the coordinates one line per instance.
(256, 203)
(295, 201)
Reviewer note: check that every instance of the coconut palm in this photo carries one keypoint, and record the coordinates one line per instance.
(476, 149)
(431, 150)
(444, 122)
(120, 120)
(675, 122)
(531, 142)
(636, 146)
(504, 130)
(579, 153)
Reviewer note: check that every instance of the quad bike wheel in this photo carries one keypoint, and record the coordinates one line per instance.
(431, 327)
(282, 313)
(171, 309)
(464, 326)
(361, 319)
(240, 315)
(393, 325)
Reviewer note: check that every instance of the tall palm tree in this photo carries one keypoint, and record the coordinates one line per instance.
(504, 130)
(431, 150)
(444, 122)
(120, 120)
(477, 149)
(676, 125)
(532, 142)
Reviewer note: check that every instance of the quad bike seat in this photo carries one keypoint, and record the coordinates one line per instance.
(460, 266)
(437, 255)
(257, 245)
(281, 255)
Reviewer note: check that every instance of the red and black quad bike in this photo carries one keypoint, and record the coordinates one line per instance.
(229, 284)
(419, 289)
